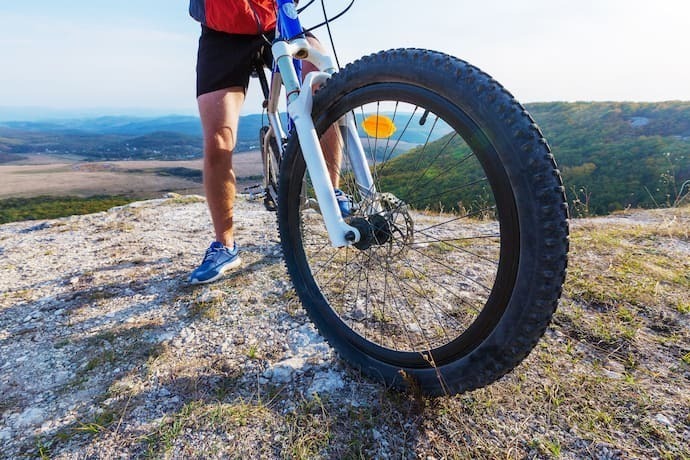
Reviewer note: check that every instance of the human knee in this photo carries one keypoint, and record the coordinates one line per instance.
(219, 141)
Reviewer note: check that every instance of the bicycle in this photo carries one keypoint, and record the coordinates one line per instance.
(451, 264)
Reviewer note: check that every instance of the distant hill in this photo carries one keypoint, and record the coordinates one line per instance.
(612, 154)
(619, 154)
(121, 125)
(118, 137)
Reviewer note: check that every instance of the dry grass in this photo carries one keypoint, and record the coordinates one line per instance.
(610, 379)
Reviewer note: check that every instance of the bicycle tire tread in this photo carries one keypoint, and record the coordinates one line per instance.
(487, 363)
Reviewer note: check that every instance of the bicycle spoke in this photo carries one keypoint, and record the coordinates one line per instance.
(422, 274)
(432, 197)
(419, 290)
(465, 216)
(448, 240)
(466, 251)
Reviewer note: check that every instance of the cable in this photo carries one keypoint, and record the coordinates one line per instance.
(330, 35)
(305, 6)
(327, 22)
(330, 19)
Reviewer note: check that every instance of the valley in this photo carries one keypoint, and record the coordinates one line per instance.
(39, 174)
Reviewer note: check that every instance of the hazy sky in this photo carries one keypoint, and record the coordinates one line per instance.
(131, 55)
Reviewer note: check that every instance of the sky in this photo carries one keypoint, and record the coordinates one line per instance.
(138, 57)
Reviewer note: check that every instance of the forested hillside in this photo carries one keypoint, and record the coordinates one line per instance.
(613, 155)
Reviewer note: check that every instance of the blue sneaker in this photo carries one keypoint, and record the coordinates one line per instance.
(344, 203)
(218, 260)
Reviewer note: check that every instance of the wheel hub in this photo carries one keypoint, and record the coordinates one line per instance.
(388, 223)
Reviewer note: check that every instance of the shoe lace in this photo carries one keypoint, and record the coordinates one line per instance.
(210, 252)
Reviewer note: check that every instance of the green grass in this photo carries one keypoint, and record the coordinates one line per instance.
(50, 207)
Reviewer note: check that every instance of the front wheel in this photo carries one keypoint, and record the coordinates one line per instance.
(466, 235)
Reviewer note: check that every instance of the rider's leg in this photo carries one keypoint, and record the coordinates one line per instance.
(331, 144)
(219, 112)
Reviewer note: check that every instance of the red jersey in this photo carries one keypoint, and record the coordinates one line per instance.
(251, 17)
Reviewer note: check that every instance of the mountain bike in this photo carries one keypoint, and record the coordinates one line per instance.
(450, 265)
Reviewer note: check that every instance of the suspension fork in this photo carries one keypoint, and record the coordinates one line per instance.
(299, 103)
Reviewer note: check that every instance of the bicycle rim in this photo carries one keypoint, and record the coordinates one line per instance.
(443, 261)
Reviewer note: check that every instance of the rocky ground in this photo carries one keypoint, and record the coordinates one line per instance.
(107, 352)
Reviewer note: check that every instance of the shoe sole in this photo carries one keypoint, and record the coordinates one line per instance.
(234, 264)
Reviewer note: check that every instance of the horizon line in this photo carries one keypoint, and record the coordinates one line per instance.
(40, 113)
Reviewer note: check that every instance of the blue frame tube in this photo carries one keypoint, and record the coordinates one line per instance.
(288, 25)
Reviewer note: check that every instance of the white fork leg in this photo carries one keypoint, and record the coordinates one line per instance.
(339, 232)
(299, 107)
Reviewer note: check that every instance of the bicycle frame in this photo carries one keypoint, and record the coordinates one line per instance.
(291, 44)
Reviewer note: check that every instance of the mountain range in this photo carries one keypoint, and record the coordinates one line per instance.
(117, 137)
(612, 154)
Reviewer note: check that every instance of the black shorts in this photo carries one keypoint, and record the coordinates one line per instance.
(225, 60)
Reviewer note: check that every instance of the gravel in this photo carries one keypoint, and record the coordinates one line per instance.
(89, 303)
(107, 352)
